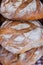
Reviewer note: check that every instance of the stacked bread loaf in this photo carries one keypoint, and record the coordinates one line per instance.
(21, 34)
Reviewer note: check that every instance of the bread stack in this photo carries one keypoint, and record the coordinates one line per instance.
(21, 34)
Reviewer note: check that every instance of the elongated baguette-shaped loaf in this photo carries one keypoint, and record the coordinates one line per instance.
(22, 9)
(18, 37)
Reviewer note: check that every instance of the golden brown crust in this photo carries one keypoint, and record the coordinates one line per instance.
(30, 57)
(24, 30)
(18, 37)
(22, 9)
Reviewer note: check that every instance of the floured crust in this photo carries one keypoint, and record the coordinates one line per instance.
(37, 54)
(18, 37)
(22, 9)
(7, 57)
(28, 58)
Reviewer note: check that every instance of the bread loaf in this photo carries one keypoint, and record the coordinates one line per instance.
(22, 9)
(18, 37)
(28, 58)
